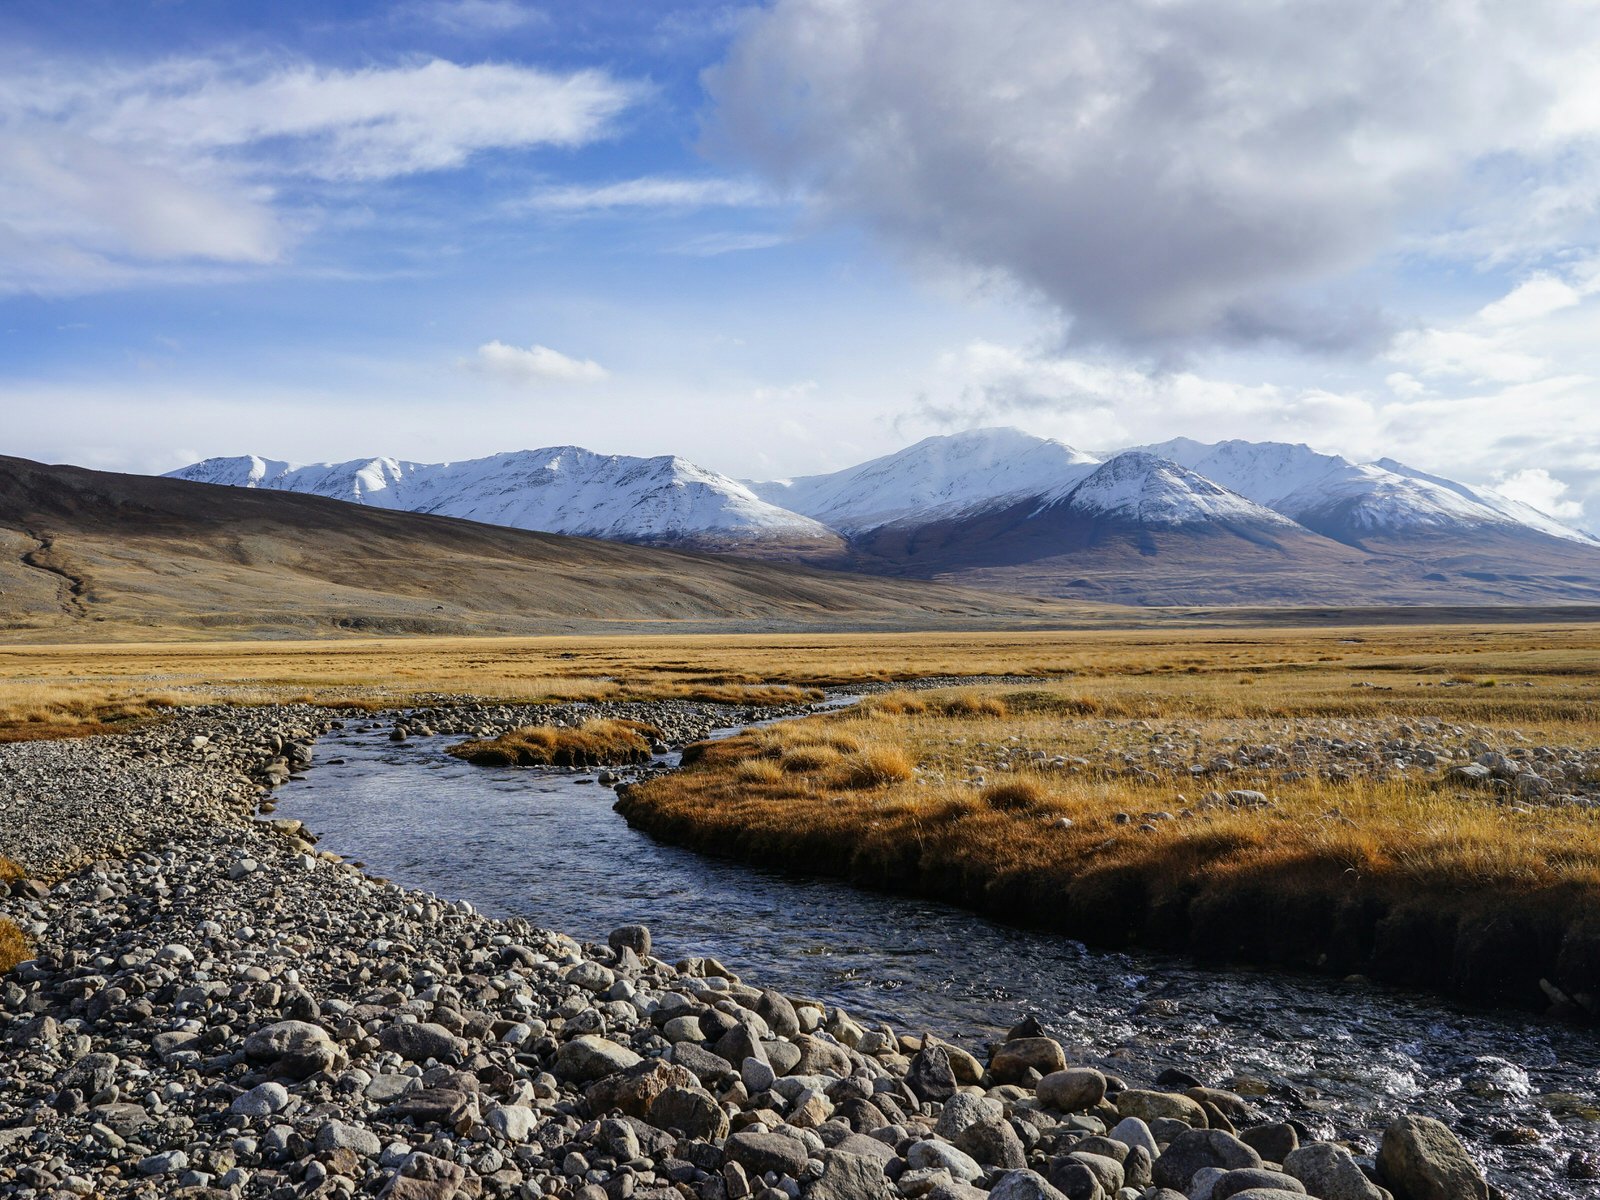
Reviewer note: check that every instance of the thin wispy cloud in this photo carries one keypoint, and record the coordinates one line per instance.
(189, 159)
(477, 16)
(711, 245)
(651, 192)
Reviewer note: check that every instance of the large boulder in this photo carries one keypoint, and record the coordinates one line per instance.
(993, 1143)
(587, 1058)
(1422, 1160)
(1013, 1061)
(294, 1049)
(419, 1041)
(1189, 1153)
(931, 1076)
(633, 1091)
(1330, 1173)
(1072, 1090)
(849, 1177)
(1255, 1179)
(1023, 1185)
(1150, 1107)
(759, 1153)
(691, 1111)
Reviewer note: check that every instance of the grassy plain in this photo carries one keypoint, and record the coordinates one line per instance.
(1380, 870)
(57, 687)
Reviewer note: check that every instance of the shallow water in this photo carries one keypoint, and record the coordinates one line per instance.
(1341, 1058)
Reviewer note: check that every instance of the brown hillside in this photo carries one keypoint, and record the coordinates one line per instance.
(90, 555)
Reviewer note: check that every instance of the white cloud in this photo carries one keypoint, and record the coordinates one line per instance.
(652, 191)
(1176, 170)
(1533, 298)
(1461, 352)
(535, 365)
(111, 172)
(373, 123)
(1536, 486)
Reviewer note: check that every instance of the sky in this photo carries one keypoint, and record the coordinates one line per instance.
(780, 238)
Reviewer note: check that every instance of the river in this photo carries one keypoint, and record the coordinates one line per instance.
(1341, 1058)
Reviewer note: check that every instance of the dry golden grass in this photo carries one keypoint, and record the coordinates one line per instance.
(14, 947)
(10, 872)
(1119, 668)
(36, 711)
(1037, 842)
(594, 743)
(1410, 829)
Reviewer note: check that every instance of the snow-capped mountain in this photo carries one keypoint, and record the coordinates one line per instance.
(1156, 492)
(938, 478)
(1180, 522)
(562, 489)
(1350, 501)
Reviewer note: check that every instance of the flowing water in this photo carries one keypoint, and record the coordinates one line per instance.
(1341, 1058)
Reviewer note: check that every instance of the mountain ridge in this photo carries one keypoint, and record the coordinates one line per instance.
(1013, 511)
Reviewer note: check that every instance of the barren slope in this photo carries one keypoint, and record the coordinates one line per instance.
(95, 555)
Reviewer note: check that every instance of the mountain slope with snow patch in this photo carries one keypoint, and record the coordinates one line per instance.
(562, 489)
(935, 479)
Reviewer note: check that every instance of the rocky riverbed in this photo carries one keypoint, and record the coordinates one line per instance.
(218, 1008)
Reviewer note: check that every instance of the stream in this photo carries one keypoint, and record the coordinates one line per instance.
(1341, 1058)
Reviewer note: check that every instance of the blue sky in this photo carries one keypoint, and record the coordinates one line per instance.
(778, 238)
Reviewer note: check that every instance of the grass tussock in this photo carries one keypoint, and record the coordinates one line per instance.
(10, 872)
(1015, 795)
(14, 946)
(878, 767)
(594, 743)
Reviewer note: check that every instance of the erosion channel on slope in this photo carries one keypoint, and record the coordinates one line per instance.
(1340, 1058)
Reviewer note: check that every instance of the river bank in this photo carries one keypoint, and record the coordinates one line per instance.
(228, 1010)
(1454, 857)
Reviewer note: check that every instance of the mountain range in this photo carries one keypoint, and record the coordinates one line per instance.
(1177, 523)
(90, 555)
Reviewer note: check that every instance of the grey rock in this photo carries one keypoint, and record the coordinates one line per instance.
(759, 1153)
(294, 1049)
(1025, 1185)
(1234, 1182)
(420, 1041)
(262, 1100)
(1422, 1160)
(849, 1177)
(587, 1058)
(1072, 1090)
(1197, 1148)
(1330, 1173)
(340, 1135)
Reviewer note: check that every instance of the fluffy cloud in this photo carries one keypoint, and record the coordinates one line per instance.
(1536, 486)
(1167, 171)
(1547, 455)
(535, 365)
(183, 161)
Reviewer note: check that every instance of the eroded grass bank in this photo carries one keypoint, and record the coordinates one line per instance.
(594, 743)
(1267, 825)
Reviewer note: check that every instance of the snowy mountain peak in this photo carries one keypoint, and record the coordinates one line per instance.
(937, 478)
(558, 489)
(1154, 491)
